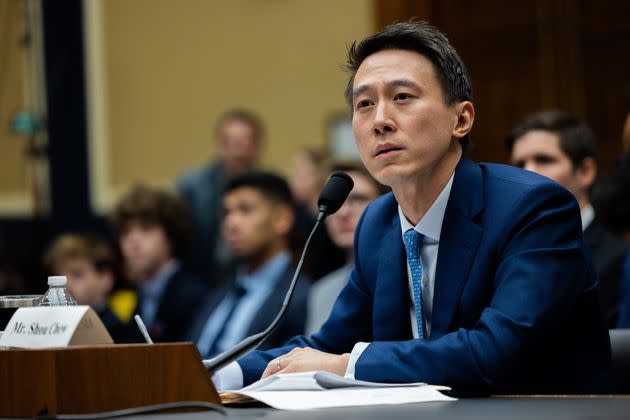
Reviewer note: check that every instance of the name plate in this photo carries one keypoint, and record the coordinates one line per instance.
(54, 326)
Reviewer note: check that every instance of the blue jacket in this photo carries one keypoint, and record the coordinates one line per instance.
(515, 303)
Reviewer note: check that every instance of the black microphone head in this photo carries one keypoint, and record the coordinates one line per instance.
(334, 192)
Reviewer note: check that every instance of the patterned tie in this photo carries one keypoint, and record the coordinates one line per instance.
(412, 244)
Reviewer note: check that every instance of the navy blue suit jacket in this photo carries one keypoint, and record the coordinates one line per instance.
(180, 302)
(291, 324)
(515, 302)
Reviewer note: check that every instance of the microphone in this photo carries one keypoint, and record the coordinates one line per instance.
(143, 329)
(330, 200)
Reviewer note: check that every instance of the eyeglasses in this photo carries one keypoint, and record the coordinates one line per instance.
(356, 201)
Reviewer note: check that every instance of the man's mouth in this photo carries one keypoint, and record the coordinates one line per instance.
(386, 150)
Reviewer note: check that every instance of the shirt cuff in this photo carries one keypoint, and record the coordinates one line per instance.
(229, 378)
(356, 352)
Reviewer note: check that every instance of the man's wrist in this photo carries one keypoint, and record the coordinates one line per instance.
(343, 364)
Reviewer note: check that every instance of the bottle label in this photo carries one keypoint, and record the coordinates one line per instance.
(54, 326)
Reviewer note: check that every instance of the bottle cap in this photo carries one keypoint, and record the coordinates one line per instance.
(57, 280)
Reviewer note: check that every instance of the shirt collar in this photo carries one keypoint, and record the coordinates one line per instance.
(588, 214)
(267, 275)
(430, 225)
(154, 288)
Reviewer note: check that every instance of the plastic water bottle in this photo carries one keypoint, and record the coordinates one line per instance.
(57, 294)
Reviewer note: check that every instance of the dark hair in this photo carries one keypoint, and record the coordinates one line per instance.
(357, 166)
(79, 246)
(320, 157)
(273, 187)
(155, 207)
(246, 117)
(577, 140)
(424, 39)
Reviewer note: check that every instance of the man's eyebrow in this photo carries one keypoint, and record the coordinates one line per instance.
(359, 90)
(396, 82)
(404, 83)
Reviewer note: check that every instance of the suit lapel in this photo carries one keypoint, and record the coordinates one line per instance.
(392, 319)
(272, 304)
(212, 301)
(459, 240)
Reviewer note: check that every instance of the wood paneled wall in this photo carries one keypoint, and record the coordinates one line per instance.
(15, 195)
(527, 56)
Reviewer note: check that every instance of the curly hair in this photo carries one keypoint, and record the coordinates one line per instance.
(154, 206)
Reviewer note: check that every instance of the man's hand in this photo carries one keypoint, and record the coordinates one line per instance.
(308, 359)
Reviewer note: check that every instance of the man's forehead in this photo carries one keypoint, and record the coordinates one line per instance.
(540, 139)
(246, 194)
(395, 67)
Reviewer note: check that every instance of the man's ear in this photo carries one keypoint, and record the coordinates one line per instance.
(283, 218)
(586, 173)
(465, 119)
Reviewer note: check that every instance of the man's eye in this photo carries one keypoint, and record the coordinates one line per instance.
(363, 103)
(402, 96)
(544, 160)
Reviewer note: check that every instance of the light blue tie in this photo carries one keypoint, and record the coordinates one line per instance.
(412, 244)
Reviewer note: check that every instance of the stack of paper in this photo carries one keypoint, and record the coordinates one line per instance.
(308, 390)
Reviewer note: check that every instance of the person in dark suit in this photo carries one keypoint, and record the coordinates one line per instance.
(89, 264)
(153, 228)
(258, 220)
(560, 147)
(470, 275)
(240, 135)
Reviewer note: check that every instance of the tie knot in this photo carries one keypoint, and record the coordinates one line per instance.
(412, 244)
(239, 291)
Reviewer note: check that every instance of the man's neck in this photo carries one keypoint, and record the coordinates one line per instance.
(149, 275)
(583, 201)
(416, 194)
(254, 262)
(349, 255)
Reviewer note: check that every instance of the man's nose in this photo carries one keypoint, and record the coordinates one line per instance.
(383, 122)
(531, 166)
(344, 210)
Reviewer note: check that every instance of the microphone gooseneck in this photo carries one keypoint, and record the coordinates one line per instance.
(330, 200)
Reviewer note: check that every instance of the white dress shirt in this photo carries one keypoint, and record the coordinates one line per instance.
(231, 377)
(430, 226)
(587, 215)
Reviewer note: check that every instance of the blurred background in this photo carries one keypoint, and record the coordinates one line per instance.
(96, 96)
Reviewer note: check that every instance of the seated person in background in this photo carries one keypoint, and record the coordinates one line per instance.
(153, 227)
(240, 136)
(611, 200)
(515, 297)
(89, 264)
(308, 176)
(340, 227)
(257, 222)
(562, 148)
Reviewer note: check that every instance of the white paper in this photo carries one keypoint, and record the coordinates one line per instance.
(347, 397)
(313, 381)
(310, 390)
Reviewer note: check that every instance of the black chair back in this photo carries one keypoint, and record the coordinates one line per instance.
(620, 349)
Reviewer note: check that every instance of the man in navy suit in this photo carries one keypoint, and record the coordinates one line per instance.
(257, 227)
(469, 275)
